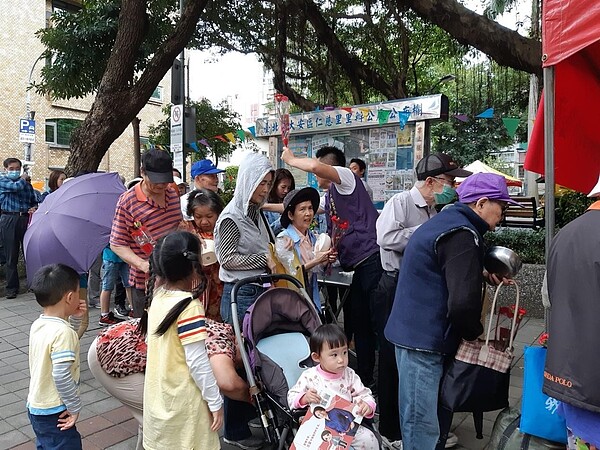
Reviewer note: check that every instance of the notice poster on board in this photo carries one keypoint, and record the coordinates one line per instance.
(376, 178)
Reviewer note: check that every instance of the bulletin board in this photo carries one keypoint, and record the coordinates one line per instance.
(389, 137)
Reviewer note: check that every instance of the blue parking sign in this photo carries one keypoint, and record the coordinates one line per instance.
(27, 126)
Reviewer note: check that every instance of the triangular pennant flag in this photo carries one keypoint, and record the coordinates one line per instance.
(252, 130)
(487, 114)
(317, 108)
(241, 135)
(511, 124)
(365, 111)
(204, 142)
(347, 109)
(194, 146)
(221, 138)
(403, 117)
(383, 115)
(230, 137)
(461, 117)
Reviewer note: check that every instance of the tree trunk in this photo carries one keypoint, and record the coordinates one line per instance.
(505, 46)
(118, 100)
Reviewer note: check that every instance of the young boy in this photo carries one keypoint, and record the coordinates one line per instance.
(53, 402)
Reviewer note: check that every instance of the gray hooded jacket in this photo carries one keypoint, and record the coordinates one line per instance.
(254, 239)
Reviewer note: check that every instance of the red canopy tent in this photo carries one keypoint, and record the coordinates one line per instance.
(571, 47)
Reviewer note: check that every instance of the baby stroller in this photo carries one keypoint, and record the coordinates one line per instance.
(274, 350)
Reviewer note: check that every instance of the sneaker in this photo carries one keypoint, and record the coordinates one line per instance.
(122, 312)
(108, 320)
(451, 440)
(93, 305)
(391, 445)
(250, 443)
(10, 295)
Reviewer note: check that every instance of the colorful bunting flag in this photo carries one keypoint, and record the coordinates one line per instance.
(241, 135)
(194, 146)
(487, 114)
(252, 130)
(204, 142)
(365, 111)
(461, 117)
(221, 138)
(230, 137)
(347, 109)
(403, 117)
(511, 124)
(382, 116)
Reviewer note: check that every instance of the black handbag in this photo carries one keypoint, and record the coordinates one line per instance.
(478, 377)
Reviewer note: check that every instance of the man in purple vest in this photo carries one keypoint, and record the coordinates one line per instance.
(347, 198)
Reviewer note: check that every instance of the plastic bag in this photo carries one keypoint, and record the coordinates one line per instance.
(285, 252)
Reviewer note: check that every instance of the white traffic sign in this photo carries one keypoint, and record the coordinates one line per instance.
(177, 136)
(27, 131)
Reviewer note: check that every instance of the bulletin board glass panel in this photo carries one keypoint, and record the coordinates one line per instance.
(389, 153)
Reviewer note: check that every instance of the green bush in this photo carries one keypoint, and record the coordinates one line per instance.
(229, 183)
(529, 244)
(570, 205)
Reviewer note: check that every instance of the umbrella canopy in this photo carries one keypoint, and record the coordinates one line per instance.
(73, 224)
(480, 167)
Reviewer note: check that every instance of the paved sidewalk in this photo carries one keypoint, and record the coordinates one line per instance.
(105, 424)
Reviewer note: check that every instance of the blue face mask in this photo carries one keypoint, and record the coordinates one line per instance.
(13, 174)
(446, 196)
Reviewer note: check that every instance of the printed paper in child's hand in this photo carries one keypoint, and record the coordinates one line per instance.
(328, 426)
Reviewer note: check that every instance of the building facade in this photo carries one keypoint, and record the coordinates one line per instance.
(20, 52)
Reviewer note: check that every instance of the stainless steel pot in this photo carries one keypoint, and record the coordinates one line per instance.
(502, 262)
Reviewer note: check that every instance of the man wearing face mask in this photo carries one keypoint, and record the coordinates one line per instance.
(400, 217)
(17, 198)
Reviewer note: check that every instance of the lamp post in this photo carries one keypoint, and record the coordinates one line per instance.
(29, 114)
(444, 79)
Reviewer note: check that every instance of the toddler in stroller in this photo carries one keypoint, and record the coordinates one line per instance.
(332, 376)
(275, 351)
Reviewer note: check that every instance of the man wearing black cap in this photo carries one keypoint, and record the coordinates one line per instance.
(400, 217)
(152, 206)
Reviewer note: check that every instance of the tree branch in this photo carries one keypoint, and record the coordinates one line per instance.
(352, 65)
(505, 46)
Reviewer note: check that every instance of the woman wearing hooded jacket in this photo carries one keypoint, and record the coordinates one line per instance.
(242, 238)
(242, 235)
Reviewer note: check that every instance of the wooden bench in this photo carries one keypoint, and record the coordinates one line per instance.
(529, 216)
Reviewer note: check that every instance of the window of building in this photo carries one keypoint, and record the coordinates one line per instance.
(144, 141)
(58, 131)
(68, 6)
(157, 94)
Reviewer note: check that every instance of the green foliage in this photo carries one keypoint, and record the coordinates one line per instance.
(78, 45)
(469, 141)
(570, 205)
(229, 183)
(529, 244)
(210, 121)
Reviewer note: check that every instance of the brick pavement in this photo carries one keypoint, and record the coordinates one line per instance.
(105, 424)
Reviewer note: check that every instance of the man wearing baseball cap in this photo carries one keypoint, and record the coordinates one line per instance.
(438, 302)
(152, 204)
(400, 217)
(204, 173)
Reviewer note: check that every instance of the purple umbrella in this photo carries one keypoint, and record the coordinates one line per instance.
(73, 224)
